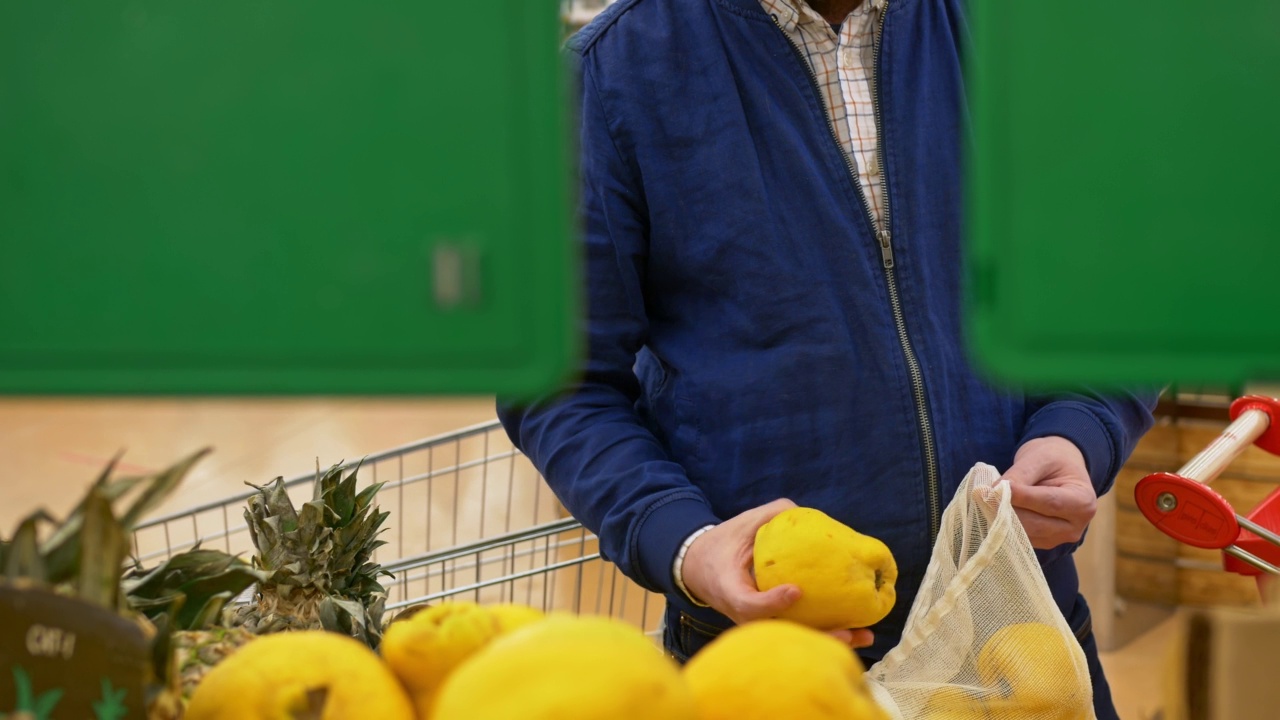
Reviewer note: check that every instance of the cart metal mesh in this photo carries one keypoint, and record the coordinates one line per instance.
(470, 518)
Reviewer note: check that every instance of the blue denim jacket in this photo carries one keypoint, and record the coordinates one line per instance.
(749, 337)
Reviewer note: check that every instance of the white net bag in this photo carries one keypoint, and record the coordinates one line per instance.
(984, 640)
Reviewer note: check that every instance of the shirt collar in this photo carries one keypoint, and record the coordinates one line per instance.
(791, 13)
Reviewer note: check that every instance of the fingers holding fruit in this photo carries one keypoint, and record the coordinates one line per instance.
(718, 568)
(784, 561)
(856, 638)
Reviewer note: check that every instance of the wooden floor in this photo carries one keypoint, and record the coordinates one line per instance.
(53, 448)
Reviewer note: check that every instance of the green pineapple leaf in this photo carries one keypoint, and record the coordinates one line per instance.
(159, 487)
(365, 498)
(324, 483)
(176, 572)
(23, 559)
(264, 533)
(235, 579)
(343, 498)
(111, 705)
(278, 501)
(348, 617)
(102, 551)
(162, 657)
(310, 524)
(166, 605)
(62, 549)
(209, 614)
(190, 588)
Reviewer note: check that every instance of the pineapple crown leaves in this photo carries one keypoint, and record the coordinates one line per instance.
(327, 544)
(350, 618)
(22, 553)
(61, 553)
(191, 587)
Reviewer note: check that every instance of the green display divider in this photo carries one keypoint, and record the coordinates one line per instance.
(284, 197)
(1124, 225)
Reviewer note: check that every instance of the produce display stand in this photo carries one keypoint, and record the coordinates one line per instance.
(470, 519)
(1184, 507)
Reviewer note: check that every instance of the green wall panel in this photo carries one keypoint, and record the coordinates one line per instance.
(1123, 209)
(284, 197)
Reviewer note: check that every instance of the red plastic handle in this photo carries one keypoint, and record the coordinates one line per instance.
(1187, 511)
(1270, 440)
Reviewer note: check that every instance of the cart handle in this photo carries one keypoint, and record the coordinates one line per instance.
(1254, 420)
(1183, 506)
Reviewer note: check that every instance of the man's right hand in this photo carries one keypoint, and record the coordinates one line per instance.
(718, 570)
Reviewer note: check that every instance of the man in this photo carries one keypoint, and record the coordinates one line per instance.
(771, 199)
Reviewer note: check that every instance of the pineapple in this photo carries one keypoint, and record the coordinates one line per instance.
(84, 558)
(198, 651)
(319, 560)
(190, 591)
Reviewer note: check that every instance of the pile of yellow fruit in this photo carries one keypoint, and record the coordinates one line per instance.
(464, 661)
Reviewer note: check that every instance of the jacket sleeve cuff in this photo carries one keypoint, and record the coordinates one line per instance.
(1077, 424)
(661, 533)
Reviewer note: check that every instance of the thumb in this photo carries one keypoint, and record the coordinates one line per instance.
(776, 507)
(1060, 501)
(1023, 472)
(765, 513)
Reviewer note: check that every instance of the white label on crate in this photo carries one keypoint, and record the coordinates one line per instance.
(50, 642)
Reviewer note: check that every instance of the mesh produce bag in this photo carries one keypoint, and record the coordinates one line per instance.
(984, 638)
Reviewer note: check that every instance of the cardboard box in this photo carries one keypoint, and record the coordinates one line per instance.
(1223, 664)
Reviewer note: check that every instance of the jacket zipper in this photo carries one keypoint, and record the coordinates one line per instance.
(885, 240)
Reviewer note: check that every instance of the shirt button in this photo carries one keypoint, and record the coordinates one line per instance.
(847, 57)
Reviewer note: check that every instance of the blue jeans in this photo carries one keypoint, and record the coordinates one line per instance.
(684, 636)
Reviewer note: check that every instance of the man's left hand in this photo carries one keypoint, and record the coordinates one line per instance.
(1052, 492)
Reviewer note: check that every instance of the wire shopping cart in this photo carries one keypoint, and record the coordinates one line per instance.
(1184, 507)
(470, 518)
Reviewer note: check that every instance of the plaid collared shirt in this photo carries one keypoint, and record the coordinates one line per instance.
(843, 64)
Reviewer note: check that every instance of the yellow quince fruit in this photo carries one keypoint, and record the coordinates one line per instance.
(425, 648)
(511, 617)
(567, 668)
(1033, 665)
(778, 669)
(311, 673)
(847, 578)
